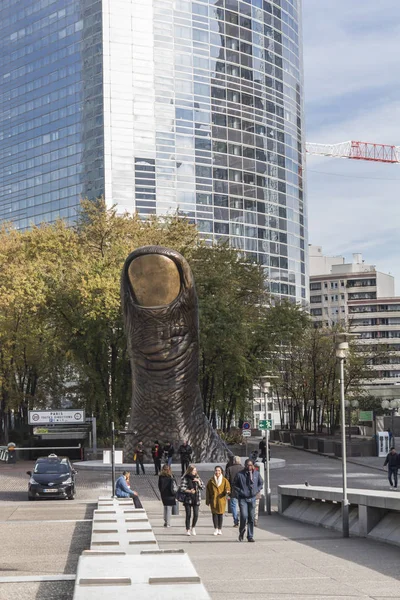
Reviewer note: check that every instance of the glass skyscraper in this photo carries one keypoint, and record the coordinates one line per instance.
(159, 105)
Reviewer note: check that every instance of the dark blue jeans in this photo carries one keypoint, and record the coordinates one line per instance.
(247, 512)
(392, 471)
(234, 507)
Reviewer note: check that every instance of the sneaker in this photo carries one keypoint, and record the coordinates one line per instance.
(236, 524)
(165, 525)
(193, 531)
(240, 537)
(251, 540)
(188, 532)
(219, 532)
(216, 532)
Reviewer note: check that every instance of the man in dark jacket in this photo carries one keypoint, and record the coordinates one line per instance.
(168, 453)
(156, 453)
(185, 451)
(248, 483)
(393, 462)
(230, 474)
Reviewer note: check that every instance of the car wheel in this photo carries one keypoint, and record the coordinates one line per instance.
(31, 498)
(70, 497)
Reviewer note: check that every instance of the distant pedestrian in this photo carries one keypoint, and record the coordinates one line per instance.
(392, 461)
(169, 452)
(168, 488)
(230, 474)
(248, 483)
(185, 451)
(156, 453)
(123, 489)
(139, 458)
(217, 491)
(191, 485)
(262, 446)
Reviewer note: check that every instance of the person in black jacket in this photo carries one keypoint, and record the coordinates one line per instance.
(156, 453)
(169, 452)
(185, 451)
(168, 488)
(393, 462)
(191, 485)
(248, 483)
(230, 474)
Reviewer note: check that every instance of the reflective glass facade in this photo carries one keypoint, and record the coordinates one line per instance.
(169, 104)
(51, 111)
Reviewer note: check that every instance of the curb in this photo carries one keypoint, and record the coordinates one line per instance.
(350, 459)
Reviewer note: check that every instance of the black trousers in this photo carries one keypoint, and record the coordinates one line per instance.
(185, 462)
(139, 461)
(392, 471)
(136, 502)
(191, 509)
(217, 520)
(157, 465)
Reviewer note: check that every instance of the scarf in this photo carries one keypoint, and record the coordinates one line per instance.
(218, 480)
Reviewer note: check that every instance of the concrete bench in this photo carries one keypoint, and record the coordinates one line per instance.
(124, 560)
(373, 514)
(170, 576)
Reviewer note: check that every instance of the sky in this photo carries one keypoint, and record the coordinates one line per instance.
(352, 85)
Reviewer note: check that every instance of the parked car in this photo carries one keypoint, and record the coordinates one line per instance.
(52, 477)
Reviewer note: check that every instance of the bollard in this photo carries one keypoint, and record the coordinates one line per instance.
(175, 509)
(12, 455)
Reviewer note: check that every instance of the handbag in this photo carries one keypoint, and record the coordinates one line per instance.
(134, 457)
(174, 487)
(180, 496)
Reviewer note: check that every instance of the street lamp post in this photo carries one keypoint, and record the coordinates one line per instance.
(112, 459)
(342, 348)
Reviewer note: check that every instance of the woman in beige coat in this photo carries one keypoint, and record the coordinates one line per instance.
(217, 491)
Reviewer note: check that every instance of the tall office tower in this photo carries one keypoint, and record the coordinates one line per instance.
(160, 105)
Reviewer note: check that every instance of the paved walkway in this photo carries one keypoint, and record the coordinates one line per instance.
(289, 560)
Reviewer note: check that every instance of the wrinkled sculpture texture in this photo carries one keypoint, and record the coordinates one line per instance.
(161, 323)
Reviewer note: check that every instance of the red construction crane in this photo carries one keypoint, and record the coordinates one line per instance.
(357, 151)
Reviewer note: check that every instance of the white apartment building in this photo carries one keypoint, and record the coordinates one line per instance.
(362, 297)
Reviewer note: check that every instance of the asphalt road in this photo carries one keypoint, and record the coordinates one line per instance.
(44, 539)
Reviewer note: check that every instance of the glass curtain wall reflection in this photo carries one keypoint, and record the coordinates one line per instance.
(160, 105)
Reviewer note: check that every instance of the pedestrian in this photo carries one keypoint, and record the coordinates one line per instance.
(123, 489)
(191, 485)
(156, 453)
(392, 461)
(139, 457)
(248, 483)
(217, 491)
(230, 474)
(168, 488)
(185, 451)
(262, 446)
(169, 452)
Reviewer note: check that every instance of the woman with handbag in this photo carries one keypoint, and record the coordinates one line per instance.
(190, 492)
(168, 488)
(218, 488)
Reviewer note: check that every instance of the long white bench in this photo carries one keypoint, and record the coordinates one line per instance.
(372, 513)
(124, 560)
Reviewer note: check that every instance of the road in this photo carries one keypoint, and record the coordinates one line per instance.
(44, 539)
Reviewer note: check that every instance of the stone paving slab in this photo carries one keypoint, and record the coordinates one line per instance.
(289, 560)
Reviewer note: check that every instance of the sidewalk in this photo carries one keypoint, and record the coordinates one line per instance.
(289, 560)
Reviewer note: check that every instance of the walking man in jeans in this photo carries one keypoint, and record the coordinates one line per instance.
(392, 461)
(230, 474)
(248, 483)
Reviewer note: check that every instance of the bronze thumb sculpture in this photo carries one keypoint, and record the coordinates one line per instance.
(161, 322)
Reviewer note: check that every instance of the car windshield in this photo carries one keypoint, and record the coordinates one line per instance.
(42, 468)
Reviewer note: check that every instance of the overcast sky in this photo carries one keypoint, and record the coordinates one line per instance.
(352, 85)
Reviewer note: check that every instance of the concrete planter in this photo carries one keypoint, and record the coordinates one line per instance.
(296, 439)
(310, 443)
(284, 437)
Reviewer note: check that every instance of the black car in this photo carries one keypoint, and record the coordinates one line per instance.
(52, 477)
